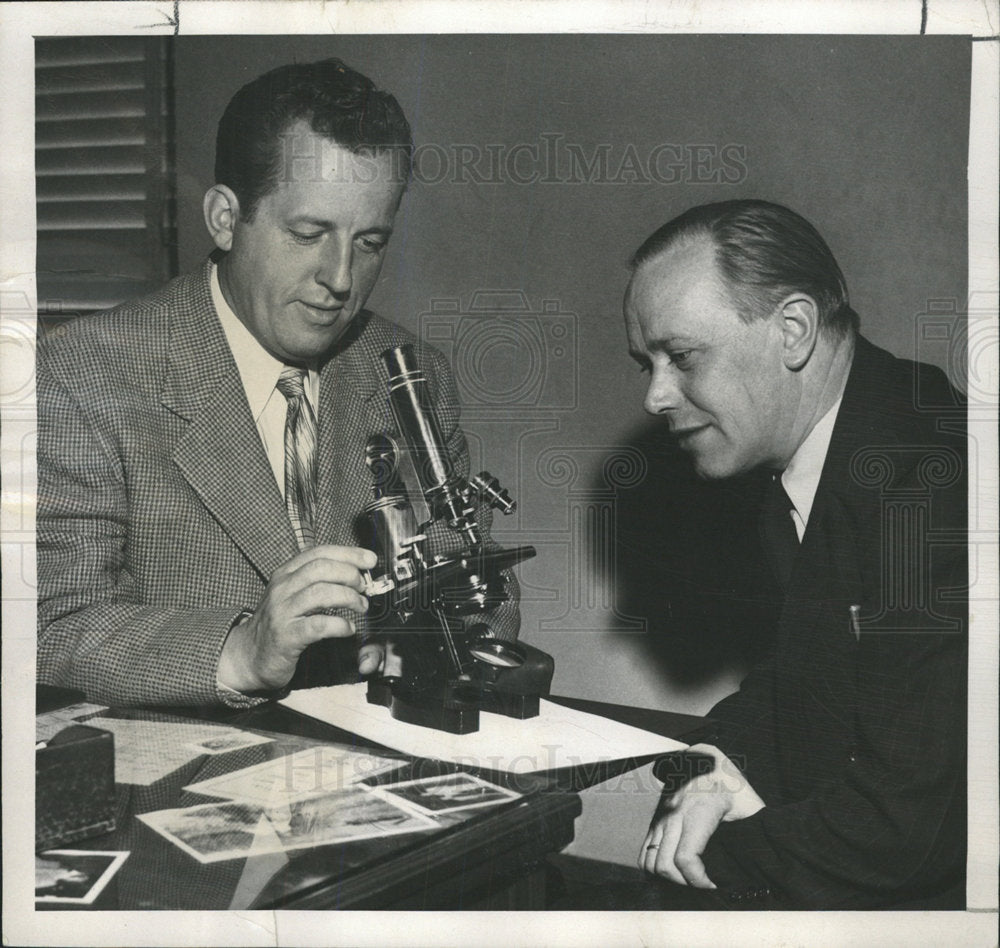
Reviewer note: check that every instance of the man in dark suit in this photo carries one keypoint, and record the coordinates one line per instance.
(201, 451)
(837, 778)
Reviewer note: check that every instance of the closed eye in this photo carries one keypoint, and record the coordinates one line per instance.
(370, 243)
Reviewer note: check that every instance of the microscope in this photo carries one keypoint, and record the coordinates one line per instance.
(452, 667)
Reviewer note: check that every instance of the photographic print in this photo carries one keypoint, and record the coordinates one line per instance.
(228, 742)
(50, 723)
(448, 793)
(220, 831)
(74, 876)
(709, 291)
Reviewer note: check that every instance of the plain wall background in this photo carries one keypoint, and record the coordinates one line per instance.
(864, 136)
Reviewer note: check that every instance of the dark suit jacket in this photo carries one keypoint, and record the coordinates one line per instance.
(159, 518)
(857, 745)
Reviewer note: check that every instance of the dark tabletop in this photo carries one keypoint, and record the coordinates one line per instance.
(436, 865)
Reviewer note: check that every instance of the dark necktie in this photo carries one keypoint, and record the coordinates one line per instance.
(777, 529)
(300, 455)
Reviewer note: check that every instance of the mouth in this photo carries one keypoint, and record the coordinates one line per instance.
(326, 314)
(684, 435)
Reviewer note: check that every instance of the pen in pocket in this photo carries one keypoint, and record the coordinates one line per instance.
(855, 612)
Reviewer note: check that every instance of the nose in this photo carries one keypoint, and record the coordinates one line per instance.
(334, 271)
(664, 393)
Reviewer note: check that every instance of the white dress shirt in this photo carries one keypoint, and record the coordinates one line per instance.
(259, 372)
(801, 478)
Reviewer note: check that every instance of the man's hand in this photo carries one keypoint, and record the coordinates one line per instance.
(261, 653)
(684, 821)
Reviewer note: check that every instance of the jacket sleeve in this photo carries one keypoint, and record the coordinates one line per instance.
(892, 826)
(94, 633)
(741, 719)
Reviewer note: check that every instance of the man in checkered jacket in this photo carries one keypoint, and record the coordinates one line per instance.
(169, 570)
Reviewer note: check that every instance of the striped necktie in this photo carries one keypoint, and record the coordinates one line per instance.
(300, 455)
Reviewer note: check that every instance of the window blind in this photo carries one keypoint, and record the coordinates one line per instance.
(103, 168)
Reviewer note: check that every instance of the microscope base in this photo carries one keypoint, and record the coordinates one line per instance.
(453, 707)
(424, 708)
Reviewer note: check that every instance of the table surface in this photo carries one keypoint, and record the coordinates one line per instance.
(450, 865)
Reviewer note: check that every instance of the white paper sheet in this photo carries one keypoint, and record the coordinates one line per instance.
(145, 751)
(558, 737)
(314, 770)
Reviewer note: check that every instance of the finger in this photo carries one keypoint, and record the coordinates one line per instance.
(356, 556)
(370, 658)
(657, 828)
(698, 829)
(311, 629)
(663, 857)
(647, 852)
(693, 871)
(318, 570)
(319, 597)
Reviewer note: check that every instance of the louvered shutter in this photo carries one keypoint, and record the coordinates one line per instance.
(103, 150)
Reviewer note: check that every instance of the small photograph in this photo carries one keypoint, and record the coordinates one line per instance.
(74, 875)
(224, 743)
(448, 793)
(50, 723)
(218, 831)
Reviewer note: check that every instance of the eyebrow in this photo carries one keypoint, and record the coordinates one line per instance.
(672, 342)
(330, 225)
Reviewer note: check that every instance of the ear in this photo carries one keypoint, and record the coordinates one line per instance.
(222, 211)
(800, 329)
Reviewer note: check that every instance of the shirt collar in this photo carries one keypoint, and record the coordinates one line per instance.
(259, 370)
(801, 477)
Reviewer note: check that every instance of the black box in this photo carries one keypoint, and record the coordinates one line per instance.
(74, 787)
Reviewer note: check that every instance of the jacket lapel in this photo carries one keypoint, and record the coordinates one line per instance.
(831, 564)
(352, 408)
(220, 453)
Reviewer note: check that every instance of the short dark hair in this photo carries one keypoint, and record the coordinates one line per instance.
(764, 251)
(338, 102)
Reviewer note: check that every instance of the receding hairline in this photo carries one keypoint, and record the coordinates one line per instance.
(683, 243)
(679, 242)
(764, 251)
(700, 241)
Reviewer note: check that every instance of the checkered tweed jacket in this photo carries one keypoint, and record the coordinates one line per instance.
(159, 518)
